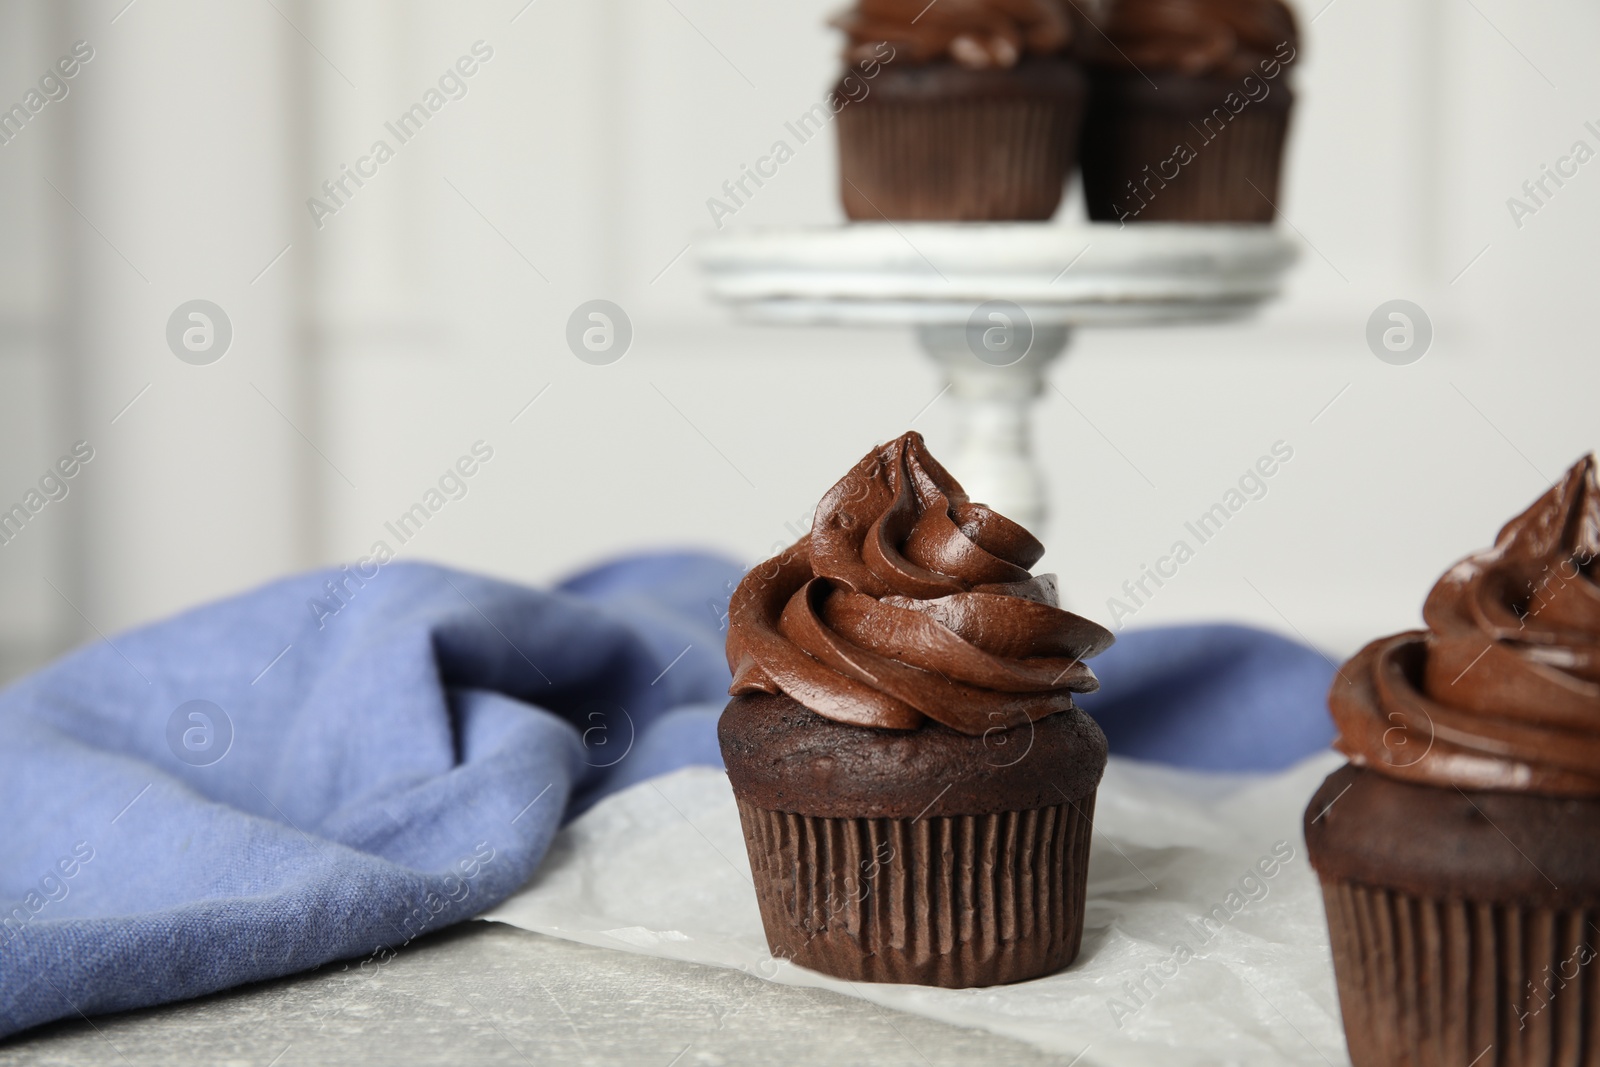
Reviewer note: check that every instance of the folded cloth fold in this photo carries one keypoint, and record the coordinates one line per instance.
(325, 768)
(1217, 697)
(331, 765)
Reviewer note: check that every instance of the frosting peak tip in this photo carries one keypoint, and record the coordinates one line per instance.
(1503, 689)
(977, 34)
(909, 601)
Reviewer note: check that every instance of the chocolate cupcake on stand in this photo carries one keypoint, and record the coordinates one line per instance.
(958, 127)
(972, 112)
(1188, 110)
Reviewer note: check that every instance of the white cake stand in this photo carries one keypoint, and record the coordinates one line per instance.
(1046, 278)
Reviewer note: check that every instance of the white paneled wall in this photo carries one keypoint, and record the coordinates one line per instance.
(35, 388)
(184, 167)
(431, 307)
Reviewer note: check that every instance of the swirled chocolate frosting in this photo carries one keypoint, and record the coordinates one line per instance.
(1224, 38)
(1503, 689)
(978, 34)
(907, 602)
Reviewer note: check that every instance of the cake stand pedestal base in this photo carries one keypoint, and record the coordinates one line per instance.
(940, 278)
(993, 451)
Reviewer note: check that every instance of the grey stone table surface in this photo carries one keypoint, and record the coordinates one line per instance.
(485, 993)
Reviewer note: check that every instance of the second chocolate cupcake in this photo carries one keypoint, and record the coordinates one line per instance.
(1189, 107)
(973, 111)
(1459, 852)
(915, 782)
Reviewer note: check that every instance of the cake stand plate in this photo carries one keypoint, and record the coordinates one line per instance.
(994, 304)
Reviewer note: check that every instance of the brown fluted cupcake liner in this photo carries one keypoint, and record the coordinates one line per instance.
(1131, 160)
(949, 157)
(1447, 982)
(951, 900)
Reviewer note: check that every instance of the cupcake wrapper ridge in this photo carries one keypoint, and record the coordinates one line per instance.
(1445, 982)
(1133, 169)
(954, 159)
(951, 900)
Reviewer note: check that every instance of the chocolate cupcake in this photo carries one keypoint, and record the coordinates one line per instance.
(963, 110)
(1189, 107)
(915, 782)
(1459, 851)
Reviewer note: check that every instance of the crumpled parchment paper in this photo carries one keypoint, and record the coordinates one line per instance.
(1204, 940)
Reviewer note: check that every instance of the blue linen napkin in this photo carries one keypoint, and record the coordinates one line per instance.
(336, 763)
(1217, 697)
